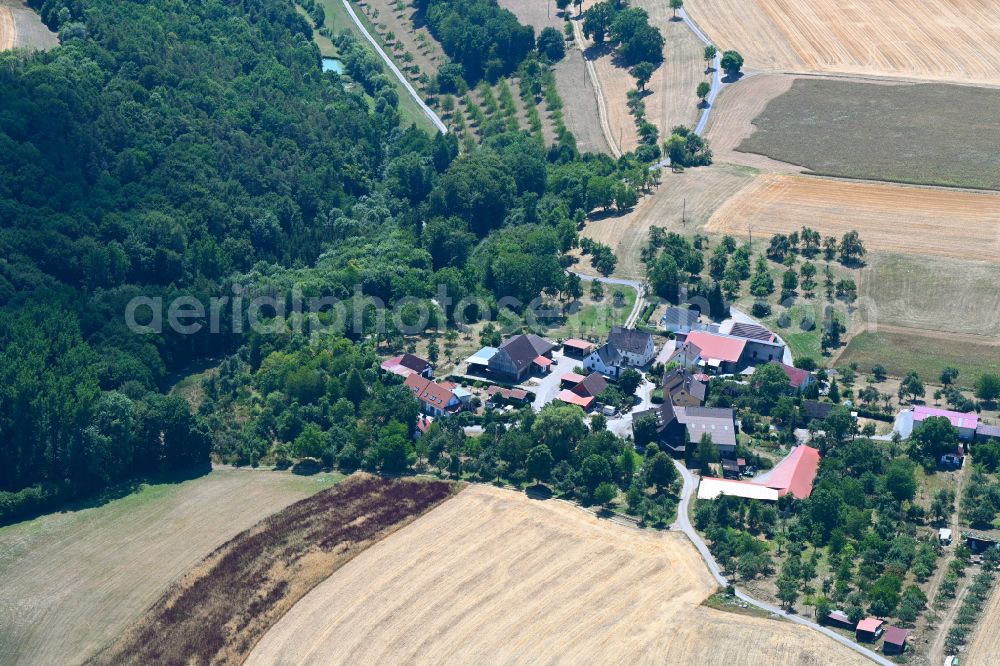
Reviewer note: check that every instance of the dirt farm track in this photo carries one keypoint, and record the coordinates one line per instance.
(891, 218)
(951, 40)
(492, 576)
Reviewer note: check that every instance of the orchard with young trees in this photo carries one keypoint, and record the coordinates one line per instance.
(861, 541)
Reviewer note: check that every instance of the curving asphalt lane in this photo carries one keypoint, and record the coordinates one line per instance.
(640, 293)
(683, 524)
(717, 83)
(716, 66)
(395, 70)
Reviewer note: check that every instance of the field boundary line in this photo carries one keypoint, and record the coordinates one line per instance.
(395, 70)
(602, 110)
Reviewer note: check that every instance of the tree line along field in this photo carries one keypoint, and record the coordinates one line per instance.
(892, 218)
(931, 134)
(492, 575)
(73, 580)
(221, 607)
(670, 98)
(683, 202)
(952, 40)
(573, 84)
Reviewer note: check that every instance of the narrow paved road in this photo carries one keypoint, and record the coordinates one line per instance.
(395, 70)
(716, 66)
(717, 84)
(683, 524)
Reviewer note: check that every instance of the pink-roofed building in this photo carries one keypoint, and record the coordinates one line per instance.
(721, 352)
(869, 629)
(966, 423)
(796, 473)
(423, 425)
(578, 348)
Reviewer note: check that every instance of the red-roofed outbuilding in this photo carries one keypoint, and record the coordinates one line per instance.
(895, 640)
(796, 473)
(571, 398)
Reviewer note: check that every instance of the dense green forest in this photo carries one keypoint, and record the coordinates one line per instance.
(196, 148)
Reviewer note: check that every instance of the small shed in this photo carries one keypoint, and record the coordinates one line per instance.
(869, 629)
(479, 361)
(979, 542)
(838, 618)
(730, 469)
(578, 348)
(895, 640)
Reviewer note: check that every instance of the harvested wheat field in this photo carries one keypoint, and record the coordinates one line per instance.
(694, 195)
(8, 34)
(74, 580)
(985, 644)
(221, 607)
(580, 111)
(536, 13)
(731, 120)
(952, 40)
(492, 576)
(891, 218)
(21, 27)
(673, 100)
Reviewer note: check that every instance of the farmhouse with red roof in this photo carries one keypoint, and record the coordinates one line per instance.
(583, 393)
(406, 365)
(435, 399)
